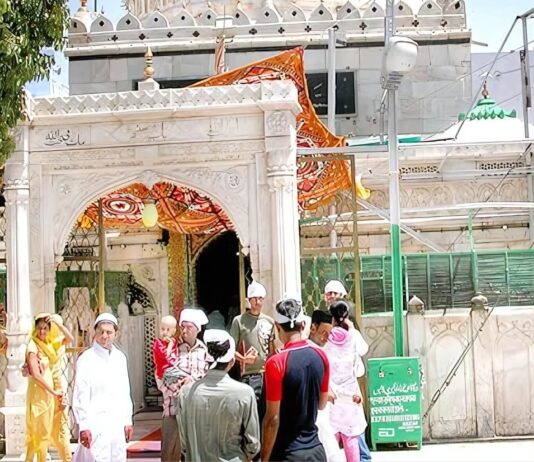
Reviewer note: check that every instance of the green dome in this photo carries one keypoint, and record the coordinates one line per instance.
(486, 109)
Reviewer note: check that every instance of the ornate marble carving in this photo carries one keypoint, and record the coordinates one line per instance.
(175, 99)
(228, 187)
(147, 132)
(281, 183)
(16, 183)
(149, 178)
(281, 162)
(439, 194)
(301, 11)
(63, 137)
(65, 189)
(276, 123)
(95, 158)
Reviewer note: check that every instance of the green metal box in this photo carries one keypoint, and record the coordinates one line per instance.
(395, 401)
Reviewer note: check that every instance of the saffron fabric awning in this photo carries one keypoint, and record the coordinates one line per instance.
(317, 180)
(180, 209)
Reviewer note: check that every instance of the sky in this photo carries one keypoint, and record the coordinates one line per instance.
(490, 21)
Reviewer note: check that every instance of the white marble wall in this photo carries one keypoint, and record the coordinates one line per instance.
(430, 98)
(492, 393)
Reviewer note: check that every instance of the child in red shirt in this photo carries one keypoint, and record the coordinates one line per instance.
(164, 348)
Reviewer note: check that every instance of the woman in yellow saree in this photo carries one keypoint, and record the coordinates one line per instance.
(44, 393)
(59, 337)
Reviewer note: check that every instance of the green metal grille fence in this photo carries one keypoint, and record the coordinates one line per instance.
(442, 281)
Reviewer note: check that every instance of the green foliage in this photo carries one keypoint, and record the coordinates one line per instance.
(26, 27)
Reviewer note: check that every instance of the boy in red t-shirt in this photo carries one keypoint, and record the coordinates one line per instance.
(164, 348)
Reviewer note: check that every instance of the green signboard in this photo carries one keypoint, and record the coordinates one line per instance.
(395, 400)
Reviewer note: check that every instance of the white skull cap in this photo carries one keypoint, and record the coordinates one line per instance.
(335, 286)
(220, 336)
(255, 289)
(194, 316)
(106, 317)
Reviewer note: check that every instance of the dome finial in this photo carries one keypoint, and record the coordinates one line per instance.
(149, 70)
(485, 92)
(148, 84)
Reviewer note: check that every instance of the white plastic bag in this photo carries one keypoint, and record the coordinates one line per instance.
(83, 454)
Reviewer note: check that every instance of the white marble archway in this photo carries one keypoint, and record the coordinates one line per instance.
(236, 144)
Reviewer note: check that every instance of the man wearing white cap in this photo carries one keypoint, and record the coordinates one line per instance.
(101, 400)
(189, 366)
(217, 415)
(334, 290)
(253, 333)
(191, 352)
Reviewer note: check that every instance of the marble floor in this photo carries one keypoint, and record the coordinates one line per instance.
(494, 451)
(521, 450)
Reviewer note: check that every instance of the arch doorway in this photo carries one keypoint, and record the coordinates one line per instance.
(217, 278)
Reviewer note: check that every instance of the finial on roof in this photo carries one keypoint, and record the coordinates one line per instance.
(149, 70)
(485, 92)
(83, 6)
(102, 10)
(148, 84)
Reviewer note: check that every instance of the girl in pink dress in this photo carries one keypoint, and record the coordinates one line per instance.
(347, 417)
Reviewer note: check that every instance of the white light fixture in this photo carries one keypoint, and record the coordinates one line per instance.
(150, 214)
(399, 58)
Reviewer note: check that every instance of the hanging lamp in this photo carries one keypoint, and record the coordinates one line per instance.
(150, 214)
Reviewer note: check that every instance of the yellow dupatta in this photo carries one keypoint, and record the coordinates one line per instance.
(47, 347)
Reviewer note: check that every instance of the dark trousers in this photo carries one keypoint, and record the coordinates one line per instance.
(170, 440)
(256, 382)
(315, 454)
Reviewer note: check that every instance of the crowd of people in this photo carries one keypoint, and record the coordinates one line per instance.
(282, 389)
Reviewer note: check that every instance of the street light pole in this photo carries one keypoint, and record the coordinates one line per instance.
(394, 201)
(332, 80)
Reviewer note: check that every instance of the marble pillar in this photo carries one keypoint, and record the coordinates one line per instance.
(19, 316)
(483, 371)
(282, 183)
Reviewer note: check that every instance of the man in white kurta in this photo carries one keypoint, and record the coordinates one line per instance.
(101, 401)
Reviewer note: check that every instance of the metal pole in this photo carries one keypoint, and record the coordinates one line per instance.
(356, 244)
(101, 259)
(394, 203)
(527, 103)
(332, 80)
(525, 77)
(242, 295)
(474, 260)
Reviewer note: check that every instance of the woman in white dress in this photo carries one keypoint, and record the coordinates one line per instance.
(344, 349)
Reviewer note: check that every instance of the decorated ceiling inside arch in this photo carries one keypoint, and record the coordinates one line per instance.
(184, 210)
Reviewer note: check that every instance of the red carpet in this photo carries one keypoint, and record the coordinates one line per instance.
(148, 443)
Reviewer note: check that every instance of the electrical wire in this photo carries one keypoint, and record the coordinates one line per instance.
(452, 373)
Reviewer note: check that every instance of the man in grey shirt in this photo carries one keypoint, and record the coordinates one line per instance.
(217, 416)
(253, 333)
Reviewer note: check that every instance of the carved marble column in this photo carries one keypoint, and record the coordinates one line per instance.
(281, 179)
(483, 352)
(19, 319)
(415, 336)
